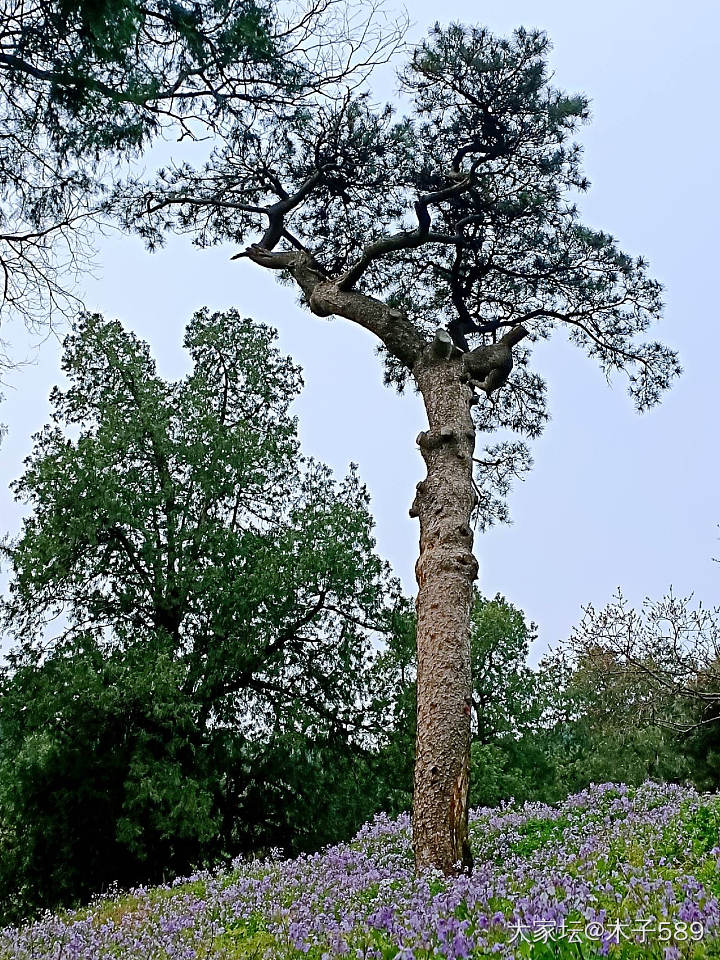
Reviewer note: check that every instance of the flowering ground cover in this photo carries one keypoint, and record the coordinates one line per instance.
(614, 870)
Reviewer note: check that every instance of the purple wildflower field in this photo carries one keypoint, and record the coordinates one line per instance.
(613, 870)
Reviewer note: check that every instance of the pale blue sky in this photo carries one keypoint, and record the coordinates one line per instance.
(615, 499)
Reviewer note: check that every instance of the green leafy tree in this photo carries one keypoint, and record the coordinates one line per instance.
(194, 607)
(450, 233)
(595, 735)
(395, 691)
(503, 683)
(104, 775)
(510, 756)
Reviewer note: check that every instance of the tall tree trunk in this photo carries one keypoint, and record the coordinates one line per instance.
(446, 570)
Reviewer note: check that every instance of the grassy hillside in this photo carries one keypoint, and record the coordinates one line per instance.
(629, 872)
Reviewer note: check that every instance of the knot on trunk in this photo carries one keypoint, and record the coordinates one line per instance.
(432, 439)
(420, 491)
(442, 346)
(469, 562)
(317, 304)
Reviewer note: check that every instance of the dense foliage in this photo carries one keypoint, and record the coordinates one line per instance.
(107, 73)
(193, 606)
(618, 871)
(88, 84)
(509, 748)
(541, 732)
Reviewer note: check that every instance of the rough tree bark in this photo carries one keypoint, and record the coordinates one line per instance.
(446, 569)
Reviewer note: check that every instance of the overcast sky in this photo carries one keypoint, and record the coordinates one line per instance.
(615, 499)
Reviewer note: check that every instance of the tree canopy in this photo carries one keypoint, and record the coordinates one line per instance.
(181, 508)
(459, 211)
